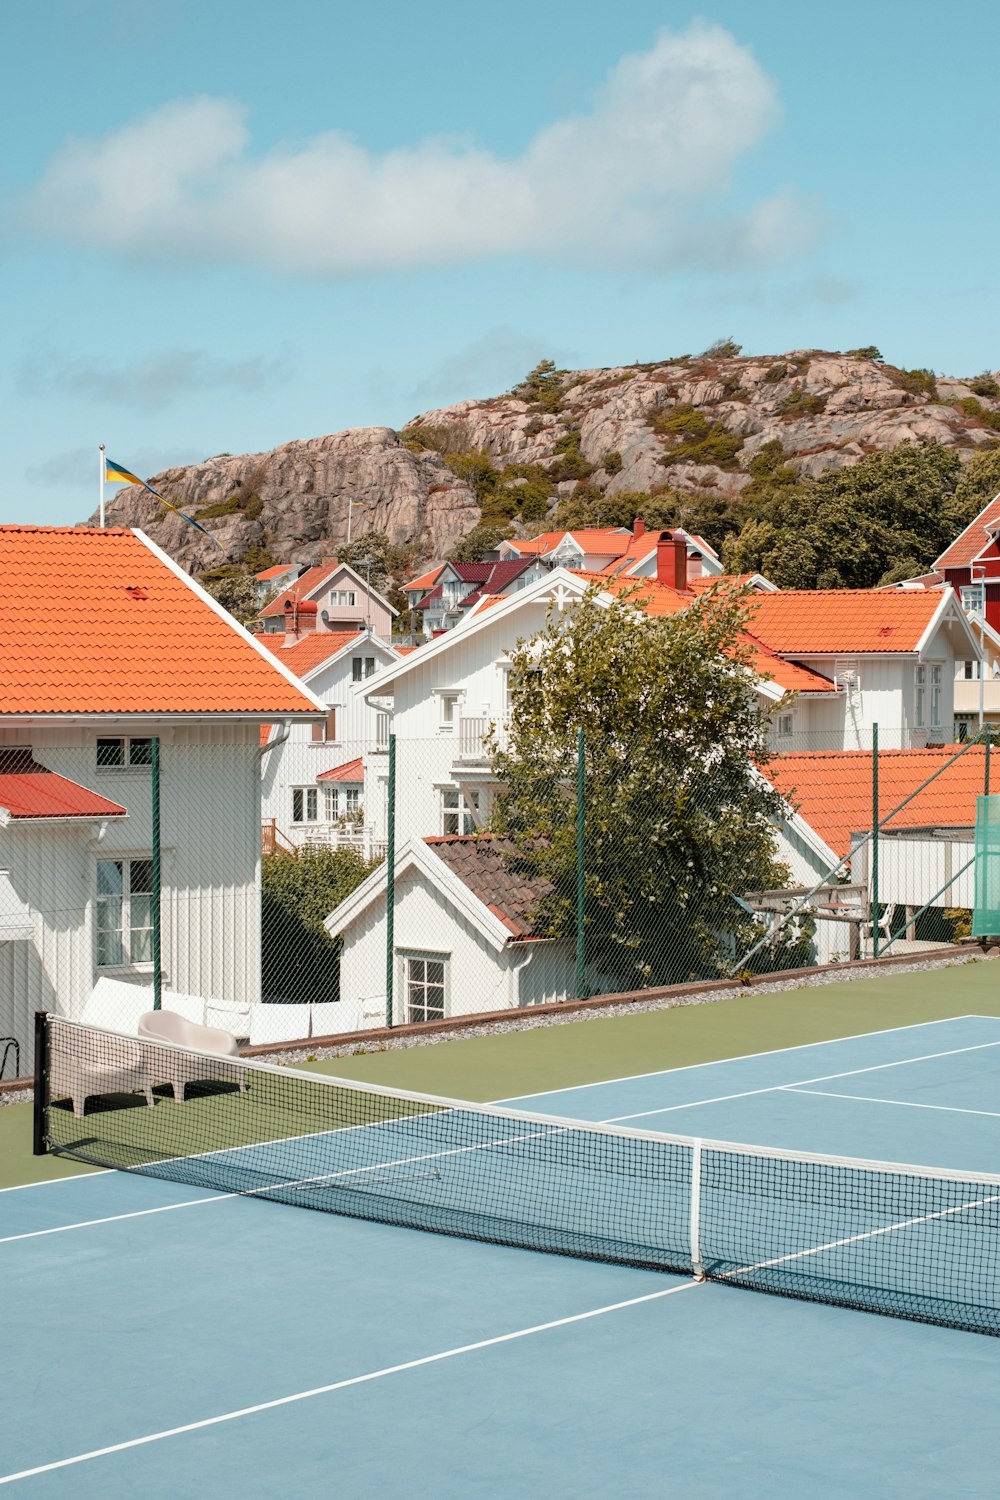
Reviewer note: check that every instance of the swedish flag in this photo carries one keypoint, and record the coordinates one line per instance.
(118, 474)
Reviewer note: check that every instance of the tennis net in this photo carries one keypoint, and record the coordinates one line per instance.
(911, 1242)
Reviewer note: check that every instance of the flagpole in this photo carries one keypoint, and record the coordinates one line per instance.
(101, 463)
(350, 512)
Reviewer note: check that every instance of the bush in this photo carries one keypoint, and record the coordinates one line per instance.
(700, 442)
(984, 385)
(300, 961)
(612, 462)
(722, 349)
(917, 382)
(984, 415)
(869, 351)
(802, 403)
(776, 372)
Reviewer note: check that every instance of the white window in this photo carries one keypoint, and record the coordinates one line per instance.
(424, 986)
(124, 914)
(342, 598)
(116, 754)
(305, 804)
(919, 696)
(331, 803)
(786, 726)
(362, 666)
(457, 810)
(325, 732)
(352, 802)
(974, 598)
(448, 711)
(937, 678)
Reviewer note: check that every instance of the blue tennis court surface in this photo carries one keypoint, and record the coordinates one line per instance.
(165, 1340)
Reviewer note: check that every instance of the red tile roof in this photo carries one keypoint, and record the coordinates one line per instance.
(132, 635)
(801, 622)
(274, 572)
(603, 539)
(351, 770)
(425, 581)
(496, 871)
(969, 543)
(28, 790)
(833, 791)
(311, 649)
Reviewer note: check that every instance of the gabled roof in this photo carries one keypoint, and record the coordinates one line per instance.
(500, 576)
(135, 635)
(351, 770)
(832, 791)
(312, 649)
(30, 791)
(425, 581)
(643, 546)
(969, 543)
(312, 581)
(276, 572)
(599, 539)
(496, 872)
(804, 622)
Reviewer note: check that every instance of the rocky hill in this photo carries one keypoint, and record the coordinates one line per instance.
(683, 427)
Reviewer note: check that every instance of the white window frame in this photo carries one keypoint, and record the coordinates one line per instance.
(324, 732)
(453, 808)
(129, 930)
(307, 797)
(919, 696)
(449, 708)
(412, 960)
(973, 597)
(937, 689)
(127, 763)
(786, 725)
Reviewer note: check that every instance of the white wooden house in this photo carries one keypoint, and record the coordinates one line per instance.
(143, 653)
(464, 939)
(312, 777)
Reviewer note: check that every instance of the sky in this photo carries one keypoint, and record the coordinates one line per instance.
(225, 226)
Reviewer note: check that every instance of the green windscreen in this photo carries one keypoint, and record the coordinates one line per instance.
(986, 916)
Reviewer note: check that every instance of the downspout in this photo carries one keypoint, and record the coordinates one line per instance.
(279, 739)
(514, 977)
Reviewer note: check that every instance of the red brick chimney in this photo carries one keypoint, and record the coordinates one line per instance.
(672, 562)
(638, 526)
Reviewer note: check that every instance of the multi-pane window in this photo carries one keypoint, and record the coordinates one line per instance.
(424, 981)
(362, 666)
(457, 810)
(116, 754)
(305, 804)
(974, 598)
(920, 696)
(325, 731)
(937, 678)
(786, 726)
(342, 598)
(124, 912)
(448, 709)
(352, 801)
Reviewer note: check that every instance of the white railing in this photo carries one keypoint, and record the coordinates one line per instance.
(362, 839)
(472, 734)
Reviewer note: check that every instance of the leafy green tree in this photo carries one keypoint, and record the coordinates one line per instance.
(387, 560)
(677, 821)
(542, 386)
(482, 538)
(300, 960)
(851, 527)
(236, 590)
(978, 483)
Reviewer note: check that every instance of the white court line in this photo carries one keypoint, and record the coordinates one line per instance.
(777, 1088)
(719, 1062)
(340, 1385)
(19, 1187)
(139, 1213)
(950, 1109)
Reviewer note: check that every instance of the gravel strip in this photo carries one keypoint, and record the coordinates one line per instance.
(524, 1020)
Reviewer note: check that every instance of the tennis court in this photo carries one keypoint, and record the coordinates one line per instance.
(180, 1338)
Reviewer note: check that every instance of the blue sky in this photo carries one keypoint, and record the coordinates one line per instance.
(229, 225)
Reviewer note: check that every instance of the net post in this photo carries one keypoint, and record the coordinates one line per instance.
(697, 1264)
(40, 1112)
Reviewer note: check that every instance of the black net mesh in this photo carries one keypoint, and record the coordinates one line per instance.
(915, 1244)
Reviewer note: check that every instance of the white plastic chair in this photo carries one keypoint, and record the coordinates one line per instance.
(178, 1068)
(117, 1065)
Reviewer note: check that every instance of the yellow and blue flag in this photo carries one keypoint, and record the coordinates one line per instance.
(118, 474)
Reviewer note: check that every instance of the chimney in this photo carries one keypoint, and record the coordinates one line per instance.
(638, 527)
(672, 562)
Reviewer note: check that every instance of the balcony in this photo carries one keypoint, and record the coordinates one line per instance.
(357, 836)
(471, 734)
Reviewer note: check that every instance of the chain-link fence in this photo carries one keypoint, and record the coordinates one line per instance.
(240, 878)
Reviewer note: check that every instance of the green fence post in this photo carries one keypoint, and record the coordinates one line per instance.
(155, 809)
(581, 786)
(986, 771)
(875, 904)
(390, 883)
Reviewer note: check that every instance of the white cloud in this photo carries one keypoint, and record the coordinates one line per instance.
(148, 383)
(635, 183)
(491, 363)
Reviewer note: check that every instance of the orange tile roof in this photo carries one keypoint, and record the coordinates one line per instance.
(833, 791)
(595, 539)
(311, 649)
(351, 770)
(275, 572)
(832, 621)
(129, 634)
(638, 549)
(969, 543)
(311, 579)
(425, 581)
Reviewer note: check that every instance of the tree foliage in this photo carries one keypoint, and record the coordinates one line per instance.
(388, 561)
(300, 959)
(677, 822)
(236, 590)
